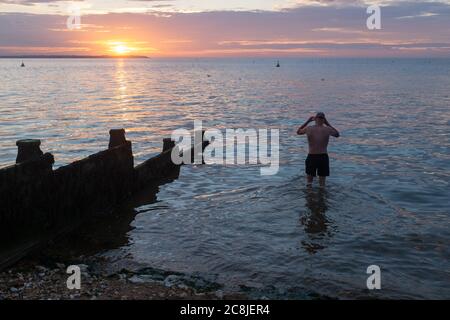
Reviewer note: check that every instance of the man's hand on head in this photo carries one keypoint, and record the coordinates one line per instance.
(302, 129)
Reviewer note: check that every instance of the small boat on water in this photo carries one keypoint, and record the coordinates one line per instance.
(22, 65)
(278, 64)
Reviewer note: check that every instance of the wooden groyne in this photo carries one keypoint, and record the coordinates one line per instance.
(38, 202)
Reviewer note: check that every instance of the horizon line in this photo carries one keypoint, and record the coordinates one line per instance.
(72, 56)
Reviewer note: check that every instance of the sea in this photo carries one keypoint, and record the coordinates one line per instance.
(386, 203)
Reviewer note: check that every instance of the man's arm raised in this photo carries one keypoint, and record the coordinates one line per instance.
(334, 132)
(302, 129)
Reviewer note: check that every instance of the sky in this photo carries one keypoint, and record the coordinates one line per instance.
(226, 28)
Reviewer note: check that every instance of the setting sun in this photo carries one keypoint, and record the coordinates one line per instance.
(120, 48)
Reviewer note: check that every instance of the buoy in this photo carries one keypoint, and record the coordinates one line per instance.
(22, 65)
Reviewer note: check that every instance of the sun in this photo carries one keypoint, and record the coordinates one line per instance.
(121, 49)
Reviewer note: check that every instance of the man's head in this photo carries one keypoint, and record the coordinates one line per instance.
(320, 118)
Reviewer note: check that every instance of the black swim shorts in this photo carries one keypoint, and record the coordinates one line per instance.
(317, 164)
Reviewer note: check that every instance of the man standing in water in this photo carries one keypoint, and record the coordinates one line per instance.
(317, 162)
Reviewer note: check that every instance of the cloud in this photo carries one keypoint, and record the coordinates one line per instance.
(421, 15)
(31, 2)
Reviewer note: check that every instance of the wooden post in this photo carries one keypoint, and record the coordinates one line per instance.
(204, 143)
(168, 144)
(28, 149)
(116, 138)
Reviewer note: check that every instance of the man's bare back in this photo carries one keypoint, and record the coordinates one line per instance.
(318, 138)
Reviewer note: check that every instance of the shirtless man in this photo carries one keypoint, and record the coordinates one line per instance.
(317, 162)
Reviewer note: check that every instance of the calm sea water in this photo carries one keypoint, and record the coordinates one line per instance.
(387, 202)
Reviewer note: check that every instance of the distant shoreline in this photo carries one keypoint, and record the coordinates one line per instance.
(214, 57)
(70, 57)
